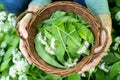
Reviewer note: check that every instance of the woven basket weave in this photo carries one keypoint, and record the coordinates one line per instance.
(45, 13)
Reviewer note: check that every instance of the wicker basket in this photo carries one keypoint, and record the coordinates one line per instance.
(45, 13)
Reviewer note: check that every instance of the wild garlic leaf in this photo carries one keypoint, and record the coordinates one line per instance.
(99, 75)
(85, 33)
(114, 70)
(5, 64)
(73, 43)
(58, 14)
(74, 76)
(60, 52)
(42, 53)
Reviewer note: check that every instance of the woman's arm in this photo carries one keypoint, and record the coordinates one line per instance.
(101, 10)
(34, 6)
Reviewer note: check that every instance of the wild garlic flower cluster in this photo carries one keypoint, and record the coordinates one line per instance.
(11, 18)
(2, 17)
(83, 49)
(117, 43)
(5, 78)
(103, 67)
(48, 47)
(117, 16)
(20, 66)
(71, 63)
(2, 48)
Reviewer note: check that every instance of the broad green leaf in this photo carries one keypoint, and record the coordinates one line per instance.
(51, 77)
(99, 75)
(59, 52)
(85, 33)
(74, 76)
(73, 42)
(110, 58)
(42, 53)
(114, 70)
(117, 55)
(117, 2)
(4, 65)
(58, 14)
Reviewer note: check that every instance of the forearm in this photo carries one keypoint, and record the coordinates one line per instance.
(35, 5)
(98, 6)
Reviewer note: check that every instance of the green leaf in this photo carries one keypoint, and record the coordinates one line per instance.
(42, 53)
(4, 65)
(58, 14)
(117, 55)
(117, 2)
(114, 70)
(51, 77)
(84, 31)
(59, 52)
(100, 75)
(74, 76)
(72, 45)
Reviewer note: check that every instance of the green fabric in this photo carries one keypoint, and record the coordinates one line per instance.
(40, 3)
(98, 6)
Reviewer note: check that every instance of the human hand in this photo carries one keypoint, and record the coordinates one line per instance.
(23, 23)
(105, 20)
(23, 32)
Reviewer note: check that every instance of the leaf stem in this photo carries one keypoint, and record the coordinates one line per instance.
(69, 36)
(63, 42)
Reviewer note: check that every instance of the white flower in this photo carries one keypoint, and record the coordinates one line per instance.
(49, 49)
(6, 29)
(12, 18)
(117, 40)
(52, 44)
(1, 23)
(117, 16)
(83, 49)
(21, 66)
(83, 75)
(16, 52)
(2, 52)
(41, 39)
(86, 44)
(3, 16)
(102, 67)
(12, 71)
(5, 78)
(22, 77)
(71, 63)
(3, 44)
(16, 58)
(115, 47)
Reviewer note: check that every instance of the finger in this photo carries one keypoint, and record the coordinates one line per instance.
(92, 64)
(23, 23)
(23, 32)
(102, 41)
(24, 51)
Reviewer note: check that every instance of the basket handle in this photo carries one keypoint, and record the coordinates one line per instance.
(18, 19)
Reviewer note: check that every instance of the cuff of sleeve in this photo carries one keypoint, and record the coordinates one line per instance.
(40, 3)
(98, 6)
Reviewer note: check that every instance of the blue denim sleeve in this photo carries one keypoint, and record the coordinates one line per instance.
(82, 2)
(98, 6)
(15, 6)
(40, 3)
